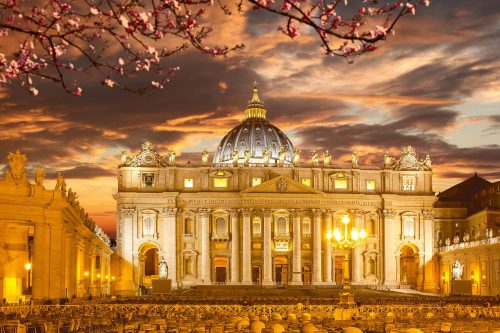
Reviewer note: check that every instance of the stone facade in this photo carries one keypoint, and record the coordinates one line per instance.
(466, 230)
(47, 242)
(257, 215)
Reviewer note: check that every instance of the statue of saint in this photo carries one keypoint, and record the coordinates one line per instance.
(296, 157)
(428, 162)
(235, 156)
(204, 157)
(59, 182)
(247, 156)
(265, 155)
(387, 160)
(447, 241)
(163, 269)
(354, 159)
(314, 157)
(457, 270)
(327, 158)
(466, 237)
(124, 157)
(39, 176)
(282, 155)
(171, 157)
(456, 239)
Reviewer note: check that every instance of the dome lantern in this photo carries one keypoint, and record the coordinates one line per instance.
(255, 107)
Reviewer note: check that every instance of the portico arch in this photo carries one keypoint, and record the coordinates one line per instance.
(148, 263)
(408, 259)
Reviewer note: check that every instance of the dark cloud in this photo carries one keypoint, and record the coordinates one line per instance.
(83, 172)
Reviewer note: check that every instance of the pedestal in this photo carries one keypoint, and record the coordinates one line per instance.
(161, 286)
(461, 287)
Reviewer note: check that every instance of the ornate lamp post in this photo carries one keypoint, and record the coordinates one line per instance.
(348, 239)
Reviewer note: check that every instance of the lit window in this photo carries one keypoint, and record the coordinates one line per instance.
(340, 183)
(306, 181)
(256, 181)
(281, 225)
(306, 226)
(370, 185)
(409, 226)
(220, 182)
(408, 183)
(188, 182)
(256, 227)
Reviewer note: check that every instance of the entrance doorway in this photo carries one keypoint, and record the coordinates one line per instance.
(306, 275)
(256, 275)
(151, 262)
(281, 270)
(339, 269)
(220, 265)
(408, 265)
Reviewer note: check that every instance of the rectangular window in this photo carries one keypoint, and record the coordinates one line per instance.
(188, 182)
(306, 181)
(256, 227)
(97, 262)
(148, 179)
(409, 226)
(370, 185)
(220, 182)
(256, 181)
(408, 183)
(340, 184)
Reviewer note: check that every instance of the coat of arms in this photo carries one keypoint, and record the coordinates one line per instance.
(281, 185)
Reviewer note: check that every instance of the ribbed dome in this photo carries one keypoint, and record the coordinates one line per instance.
(256, 134)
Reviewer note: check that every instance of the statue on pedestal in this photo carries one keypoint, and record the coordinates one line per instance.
(265, 155)
(247, 156)
(296, 157)
(235, 156)
(457, 270)
(314, 158)
(171, 157)
(124, 157)
(204, 157)
(163, 269)
(388, 161)
(282, 155)
(354, 159)
(327, 158)
(16, 164)
(39, 176)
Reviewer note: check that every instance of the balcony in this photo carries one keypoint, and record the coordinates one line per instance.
(221, 237)
(468, 245)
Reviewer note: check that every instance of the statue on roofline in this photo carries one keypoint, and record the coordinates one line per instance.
(327, 158)
(16, 164)
(296, 157)
(314, 157)
(204, 157)
(39, 176)
(265, 155)
(354, 159)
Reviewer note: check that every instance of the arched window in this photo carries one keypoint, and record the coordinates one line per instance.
(371, 266)
(256, 226)
(281, 225)
(148, 225)
(306, 226)
(189, 226)
(220, 226)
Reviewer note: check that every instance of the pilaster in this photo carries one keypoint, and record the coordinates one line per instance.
(297, 250)
(247, 248)
(203, 216)
(390, 234)
(267, 274)
(235, 247)
(317, 237)
(328, 249)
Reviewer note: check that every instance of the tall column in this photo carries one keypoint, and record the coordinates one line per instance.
(203, 215)
(247, 248)
(167, 233)
(357, 257)
(328, 249)
(267, 276)
(390, 239)
(317, 238)
(235, 247)
(40, 265)
(297, 249)
(428, 222)
(125, 283)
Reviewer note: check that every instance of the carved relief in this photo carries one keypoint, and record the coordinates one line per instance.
(146, 157)
(16, 164)
(409, 160)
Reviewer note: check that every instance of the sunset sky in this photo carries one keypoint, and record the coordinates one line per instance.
(435, 85)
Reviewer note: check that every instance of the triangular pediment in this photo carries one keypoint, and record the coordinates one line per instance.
(282, 184)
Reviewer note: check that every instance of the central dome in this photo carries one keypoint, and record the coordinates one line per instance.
(252, 138)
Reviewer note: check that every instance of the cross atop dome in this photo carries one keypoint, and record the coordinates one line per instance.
(255, 107)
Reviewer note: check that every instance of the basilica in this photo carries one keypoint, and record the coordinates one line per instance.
(259, 215)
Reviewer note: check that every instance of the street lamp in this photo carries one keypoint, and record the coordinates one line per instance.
(346, 240)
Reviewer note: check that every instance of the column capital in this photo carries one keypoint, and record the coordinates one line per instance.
(296, 212)
(128, 211)
(357, 212)
(168, 212)
(328, 212)
(233, 212)
(428, 214)
(246, 212)
(389, 213)
(203, 212)
(317, 212)
(267, 212)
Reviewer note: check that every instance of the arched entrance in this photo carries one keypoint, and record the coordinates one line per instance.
(148, 269)
(221, 267)
(306, 275)
(408, 265)
(151, 262)
(281, 269)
